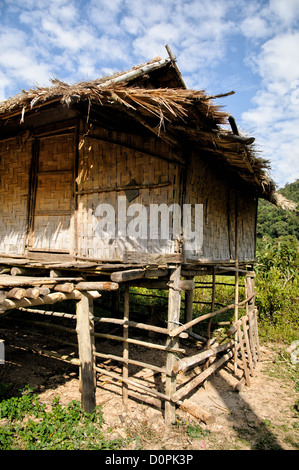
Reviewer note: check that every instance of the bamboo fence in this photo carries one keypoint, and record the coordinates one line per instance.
(241, 344)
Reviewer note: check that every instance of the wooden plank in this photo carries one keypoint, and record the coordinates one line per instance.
(122, 276)
(151, 258)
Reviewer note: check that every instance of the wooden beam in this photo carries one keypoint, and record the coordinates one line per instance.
(97, 285)
(65, 287)
(22, 281)
(185, 390)
(179, 330)
(192, 361)
(131, 274)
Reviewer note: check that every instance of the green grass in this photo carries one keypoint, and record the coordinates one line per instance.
(27, 425)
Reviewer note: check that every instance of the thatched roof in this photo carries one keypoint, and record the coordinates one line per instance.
(176, 115)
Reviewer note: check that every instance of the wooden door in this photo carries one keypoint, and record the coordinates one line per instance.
(53, 199)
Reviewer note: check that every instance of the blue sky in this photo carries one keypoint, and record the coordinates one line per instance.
(249, 46)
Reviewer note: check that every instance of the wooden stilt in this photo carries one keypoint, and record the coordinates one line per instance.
(126, 350)
(247, 343)
(244, 361)
(236, 316)
(174, 306)
(86, 348)
(211, 319)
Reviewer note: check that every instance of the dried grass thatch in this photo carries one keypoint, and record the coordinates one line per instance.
(174, 114)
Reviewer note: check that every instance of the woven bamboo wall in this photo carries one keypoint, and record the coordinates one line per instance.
(220, 199)
(104, 170)
(15, 158)
(52, 227)
(106, 166)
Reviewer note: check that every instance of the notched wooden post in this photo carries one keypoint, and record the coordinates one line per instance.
(86, 351)
(126, 350)
(174, 308)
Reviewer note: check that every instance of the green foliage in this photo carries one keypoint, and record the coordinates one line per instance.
(277, 284)
(273, 222)
(195, 431)
(277, 281)
(28, 426)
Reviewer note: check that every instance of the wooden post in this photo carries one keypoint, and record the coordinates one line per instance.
(174, 307)
(253, 327)
(236, 316)
(212, 309)
(84, 329)
(126, 350)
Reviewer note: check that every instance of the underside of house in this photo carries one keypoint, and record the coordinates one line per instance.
(138, 144)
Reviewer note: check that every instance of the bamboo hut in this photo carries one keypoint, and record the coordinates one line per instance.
(129, 142)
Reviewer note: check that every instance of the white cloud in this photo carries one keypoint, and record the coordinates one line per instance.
(254, 27)
(275, 115)
(253, 44)
(287, 11)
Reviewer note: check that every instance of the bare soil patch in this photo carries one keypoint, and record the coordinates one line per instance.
(262, 416)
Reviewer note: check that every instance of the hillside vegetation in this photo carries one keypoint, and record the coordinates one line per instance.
(277, 279)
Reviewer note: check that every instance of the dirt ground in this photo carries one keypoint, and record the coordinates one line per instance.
(261, 416)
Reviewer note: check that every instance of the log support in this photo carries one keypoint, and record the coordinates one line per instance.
(85, 326)
(174, 306)
(21, 290)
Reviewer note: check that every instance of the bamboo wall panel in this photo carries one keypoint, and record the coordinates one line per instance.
(108, 167)
(52, 233)
(54, 193)
(15, 158)
(220, 199)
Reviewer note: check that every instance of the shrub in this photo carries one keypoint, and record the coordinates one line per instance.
(277, 284)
